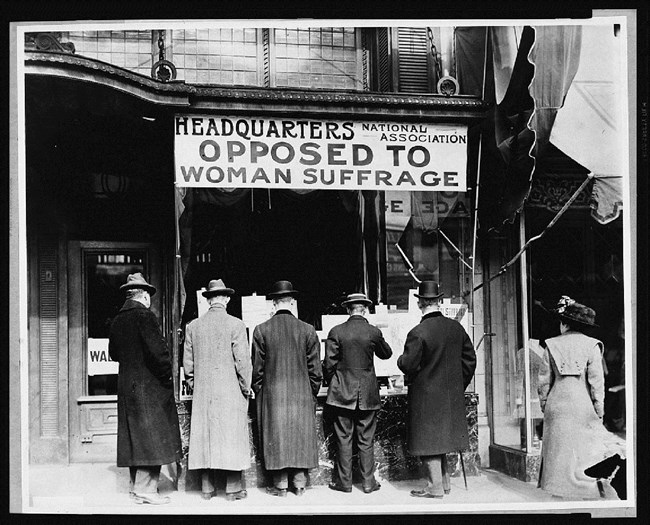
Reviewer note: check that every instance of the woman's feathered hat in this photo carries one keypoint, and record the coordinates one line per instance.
(572, 311)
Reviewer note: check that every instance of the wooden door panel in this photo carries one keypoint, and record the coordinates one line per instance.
(95, 272)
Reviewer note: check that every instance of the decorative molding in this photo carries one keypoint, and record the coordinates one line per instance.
(91, 65)
(47, 42)
(553, 193)
(42, 62)
(163, 69)
(326, 97)
(448, 86)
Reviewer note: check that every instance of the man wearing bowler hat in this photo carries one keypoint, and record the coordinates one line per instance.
(438, 363)
(353, 391)
(217, 365)
(148, 435)
(286, 379)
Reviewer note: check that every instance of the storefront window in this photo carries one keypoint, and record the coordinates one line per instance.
(512, 387)
(105, 273)
(431, 230)
(587, 266)
(325, 58)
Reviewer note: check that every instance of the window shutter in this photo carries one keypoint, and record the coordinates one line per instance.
(413, 60)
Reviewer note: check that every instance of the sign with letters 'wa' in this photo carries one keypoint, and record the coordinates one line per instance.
(249, 152)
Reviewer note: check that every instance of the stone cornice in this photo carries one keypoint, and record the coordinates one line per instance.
(206, 97)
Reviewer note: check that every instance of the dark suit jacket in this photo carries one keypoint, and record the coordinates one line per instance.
(439, 361)
(348, 367)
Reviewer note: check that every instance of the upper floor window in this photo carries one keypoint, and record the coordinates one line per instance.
(133, 50)
(227, 56)
(384, 59)
(321, 57)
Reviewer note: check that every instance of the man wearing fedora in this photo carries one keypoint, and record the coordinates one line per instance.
(353, 392)
(438, 363)
(286, 379)
(217, 365)
(148, 435)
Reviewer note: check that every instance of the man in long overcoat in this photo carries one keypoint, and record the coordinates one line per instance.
(286, 379)
(353, 391)
(148, 434)
(438, 363)
(217, 365)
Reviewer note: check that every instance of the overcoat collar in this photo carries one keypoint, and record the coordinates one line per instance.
(431, 314)
(217, 306)
(130, 304)
(283, 312)
(357, 318)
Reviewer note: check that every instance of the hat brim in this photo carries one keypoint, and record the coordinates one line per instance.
(146, 287)
(218, 291)
(429, 296)
(292, 293)
(574, 320)
(366, 302)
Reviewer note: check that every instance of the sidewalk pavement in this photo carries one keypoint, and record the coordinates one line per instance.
(102, 488)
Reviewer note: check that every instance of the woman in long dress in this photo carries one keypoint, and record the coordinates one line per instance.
(571, 392)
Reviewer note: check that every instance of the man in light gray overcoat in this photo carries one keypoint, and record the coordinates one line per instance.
(218, 368)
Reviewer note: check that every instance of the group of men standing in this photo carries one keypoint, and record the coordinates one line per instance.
(283, 375)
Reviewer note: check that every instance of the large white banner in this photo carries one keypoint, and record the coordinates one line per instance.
(250, 152)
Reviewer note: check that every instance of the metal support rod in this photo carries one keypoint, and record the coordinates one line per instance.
(462, 464)
(478, 176)
(525, 334)
(409, 266)
(478, 185)
(505, 267)
(486, 334)
(454, 247)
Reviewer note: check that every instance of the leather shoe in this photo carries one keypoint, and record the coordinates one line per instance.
(234, 496)
(373, 488)
(340, 488)
(274, 491)
(424, 494)
(300, 491)
(151, 499)
(206, 495)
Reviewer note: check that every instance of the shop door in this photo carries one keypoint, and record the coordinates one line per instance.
(95, 272)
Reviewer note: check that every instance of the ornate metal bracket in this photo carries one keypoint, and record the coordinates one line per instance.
(448, 86)
(163, 70)
(47, 42)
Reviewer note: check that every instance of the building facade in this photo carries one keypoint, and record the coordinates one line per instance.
(110, 117)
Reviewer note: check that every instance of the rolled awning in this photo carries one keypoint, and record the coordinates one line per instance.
(593, 111)
(561, 88)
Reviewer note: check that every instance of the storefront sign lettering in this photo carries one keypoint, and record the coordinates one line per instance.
(230, 152)
(98, 359)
